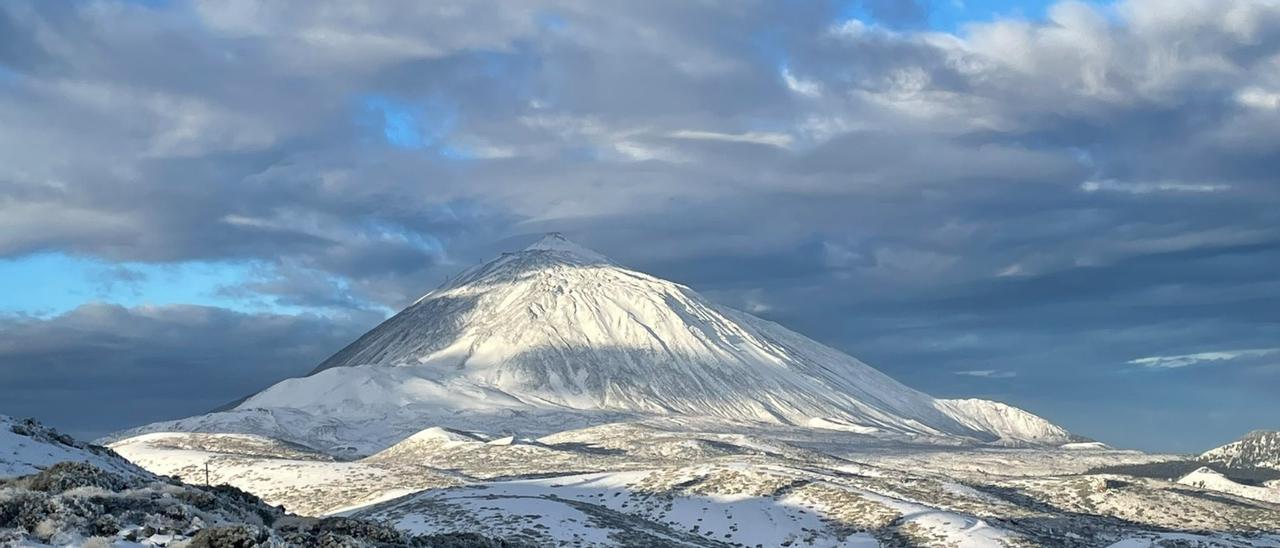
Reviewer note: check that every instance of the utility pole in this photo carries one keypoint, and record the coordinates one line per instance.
(206, 473)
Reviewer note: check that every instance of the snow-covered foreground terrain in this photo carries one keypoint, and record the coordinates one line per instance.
(668, 484)
(57, 491)
(663, 483)
(27, 447)
(304, 482)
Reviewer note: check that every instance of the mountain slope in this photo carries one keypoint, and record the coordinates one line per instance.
(1013, 425)
(558, 325)
(27, 447)
(1257, 449)
(557, 335)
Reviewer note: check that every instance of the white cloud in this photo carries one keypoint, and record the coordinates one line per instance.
(755, 302)
(1187, 360)
(1261, 99)
(262, 106)
(781, 140)
(807, 88)
(1111, 185)
(639, 152)
(1014, 269)
(850, 28)
(988, 373)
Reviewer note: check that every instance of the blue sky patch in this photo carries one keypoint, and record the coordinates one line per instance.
(57, 282)
(943, 15)
(409, 125)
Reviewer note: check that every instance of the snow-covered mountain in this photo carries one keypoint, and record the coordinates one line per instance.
(558, 336)
(1257, 449)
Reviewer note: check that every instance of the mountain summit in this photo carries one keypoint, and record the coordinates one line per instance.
(558, 334)
(555, 241)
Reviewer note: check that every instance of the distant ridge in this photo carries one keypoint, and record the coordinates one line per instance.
(1257, 449)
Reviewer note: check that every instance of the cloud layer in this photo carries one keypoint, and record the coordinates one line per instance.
(105, 367)
(1045, 200)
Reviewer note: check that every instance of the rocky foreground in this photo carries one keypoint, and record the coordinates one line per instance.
(97, 499)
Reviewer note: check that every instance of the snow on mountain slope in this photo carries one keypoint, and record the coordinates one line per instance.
(557, 326)
(1207, 478)
(1013, 425)
(556, 333)
(27, 447)
(1257, 449)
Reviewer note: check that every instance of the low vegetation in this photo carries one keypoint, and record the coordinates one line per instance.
(1174, 469)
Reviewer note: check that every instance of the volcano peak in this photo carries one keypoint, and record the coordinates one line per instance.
(557, 243)
(556, 334)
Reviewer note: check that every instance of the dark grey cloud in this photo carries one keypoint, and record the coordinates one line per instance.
(101, 367)
(1044, 200)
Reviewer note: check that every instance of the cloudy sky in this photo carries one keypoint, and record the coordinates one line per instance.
(1072, 207)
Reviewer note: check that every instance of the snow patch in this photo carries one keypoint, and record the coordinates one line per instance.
(27, 447)
(1207, 478)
